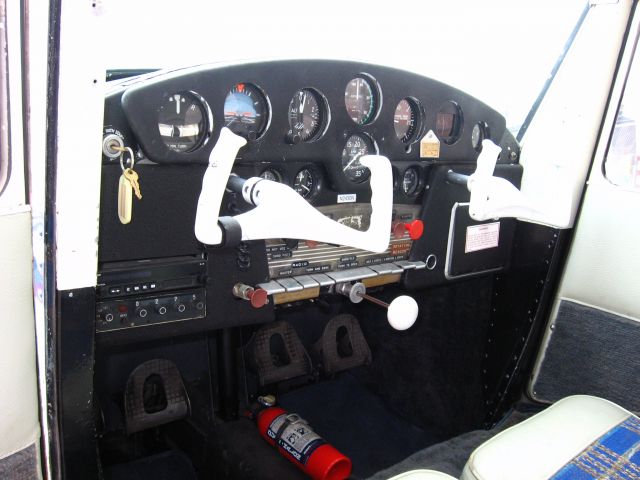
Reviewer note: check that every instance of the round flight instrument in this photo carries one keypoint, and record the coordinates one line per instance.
(411, 181)
(272, 174)
(449, 122)
(307, 115)
(183, 121)
(360, 99)
(305, 183)
(407, 119)
(357, 145)
(246, 111)
(479, 132)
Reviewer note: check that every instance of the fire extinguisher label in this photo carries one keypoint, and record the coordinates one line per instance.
(294, 436)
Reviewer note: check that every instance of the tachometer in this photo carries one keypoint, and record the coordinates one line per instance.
(357, 145)
(183, 121)
(361, 100)
(407, 119)
(307, 115)
(246, 111)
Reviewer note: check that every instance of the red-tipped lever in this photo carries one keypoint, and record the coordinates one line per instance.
(415, 229)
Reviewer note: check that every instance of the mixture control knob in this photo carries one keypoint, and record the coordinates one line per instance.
(258, 297)
(415, 229)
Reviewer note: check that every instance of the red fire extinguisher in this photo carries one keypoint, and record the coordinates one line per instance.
(296, 441)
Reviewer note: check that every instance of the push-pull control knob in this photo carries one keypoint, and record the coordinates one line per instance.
(256, 296)
(415, 229)
(401, 312)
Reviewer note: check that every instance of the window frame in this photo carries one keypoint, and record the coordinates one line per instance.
(633, 63)
(5, 136)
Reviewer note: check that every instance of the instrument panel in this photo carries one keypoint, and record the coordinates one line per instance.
(307, 125)
(325, 114)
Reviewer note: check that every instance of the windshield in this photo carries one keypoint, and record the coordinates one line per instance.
(500, 51)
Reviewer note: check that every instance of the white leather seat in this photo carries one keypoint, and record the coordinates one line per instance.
(422, 475)
(577, 437)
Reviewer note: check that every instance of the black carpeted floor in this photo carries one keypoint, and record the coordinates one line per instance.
(452, 455)
(169, 465)
(357, 423)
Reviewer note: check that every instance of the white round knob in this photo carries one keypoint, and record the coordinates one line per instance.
(402, 312)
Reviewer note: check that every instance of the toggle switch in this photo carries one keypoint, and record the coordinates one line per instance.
(258, 297)
(402, 312)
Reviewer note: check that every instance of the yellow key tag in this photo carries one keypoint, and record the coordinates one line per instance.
(125, 200)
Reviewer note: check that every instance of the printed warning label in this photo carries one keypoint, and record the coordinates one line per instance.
(482, 237)
(430, 146)
(294, 436)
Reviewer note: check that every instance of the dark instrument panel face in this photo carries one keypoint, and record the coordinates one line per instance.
(307, 122)
(307, 125)
(323, 101)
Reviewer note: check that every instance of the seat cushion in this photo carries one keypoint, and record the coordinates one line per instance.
(579, 437)
(422, 475)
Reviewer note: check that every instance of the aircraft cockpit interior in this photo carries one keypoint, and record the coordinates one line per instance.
(300, 306)
(338, 268)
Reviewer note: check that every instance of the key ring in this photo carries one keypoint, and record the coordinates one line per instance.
(131, 159)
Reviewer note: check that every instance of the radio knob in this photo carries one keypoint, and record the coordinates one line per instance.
(141, 312)
(180, 307)
(161, 309)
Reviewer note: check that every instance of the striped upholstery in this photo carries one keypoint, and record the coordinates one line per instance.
(615, 455)
(578, 438)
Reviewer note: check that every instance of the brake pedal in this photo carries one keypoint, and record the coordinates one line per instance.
(278, 354)
(154, 395)
(342, 345)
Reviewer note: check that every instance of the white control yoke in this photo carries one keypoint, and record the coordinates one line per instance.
(495, 197)
(214, 183)
(281, 212)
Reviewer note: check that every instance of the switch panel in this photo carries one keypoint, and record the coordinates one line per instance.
(140, 311)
